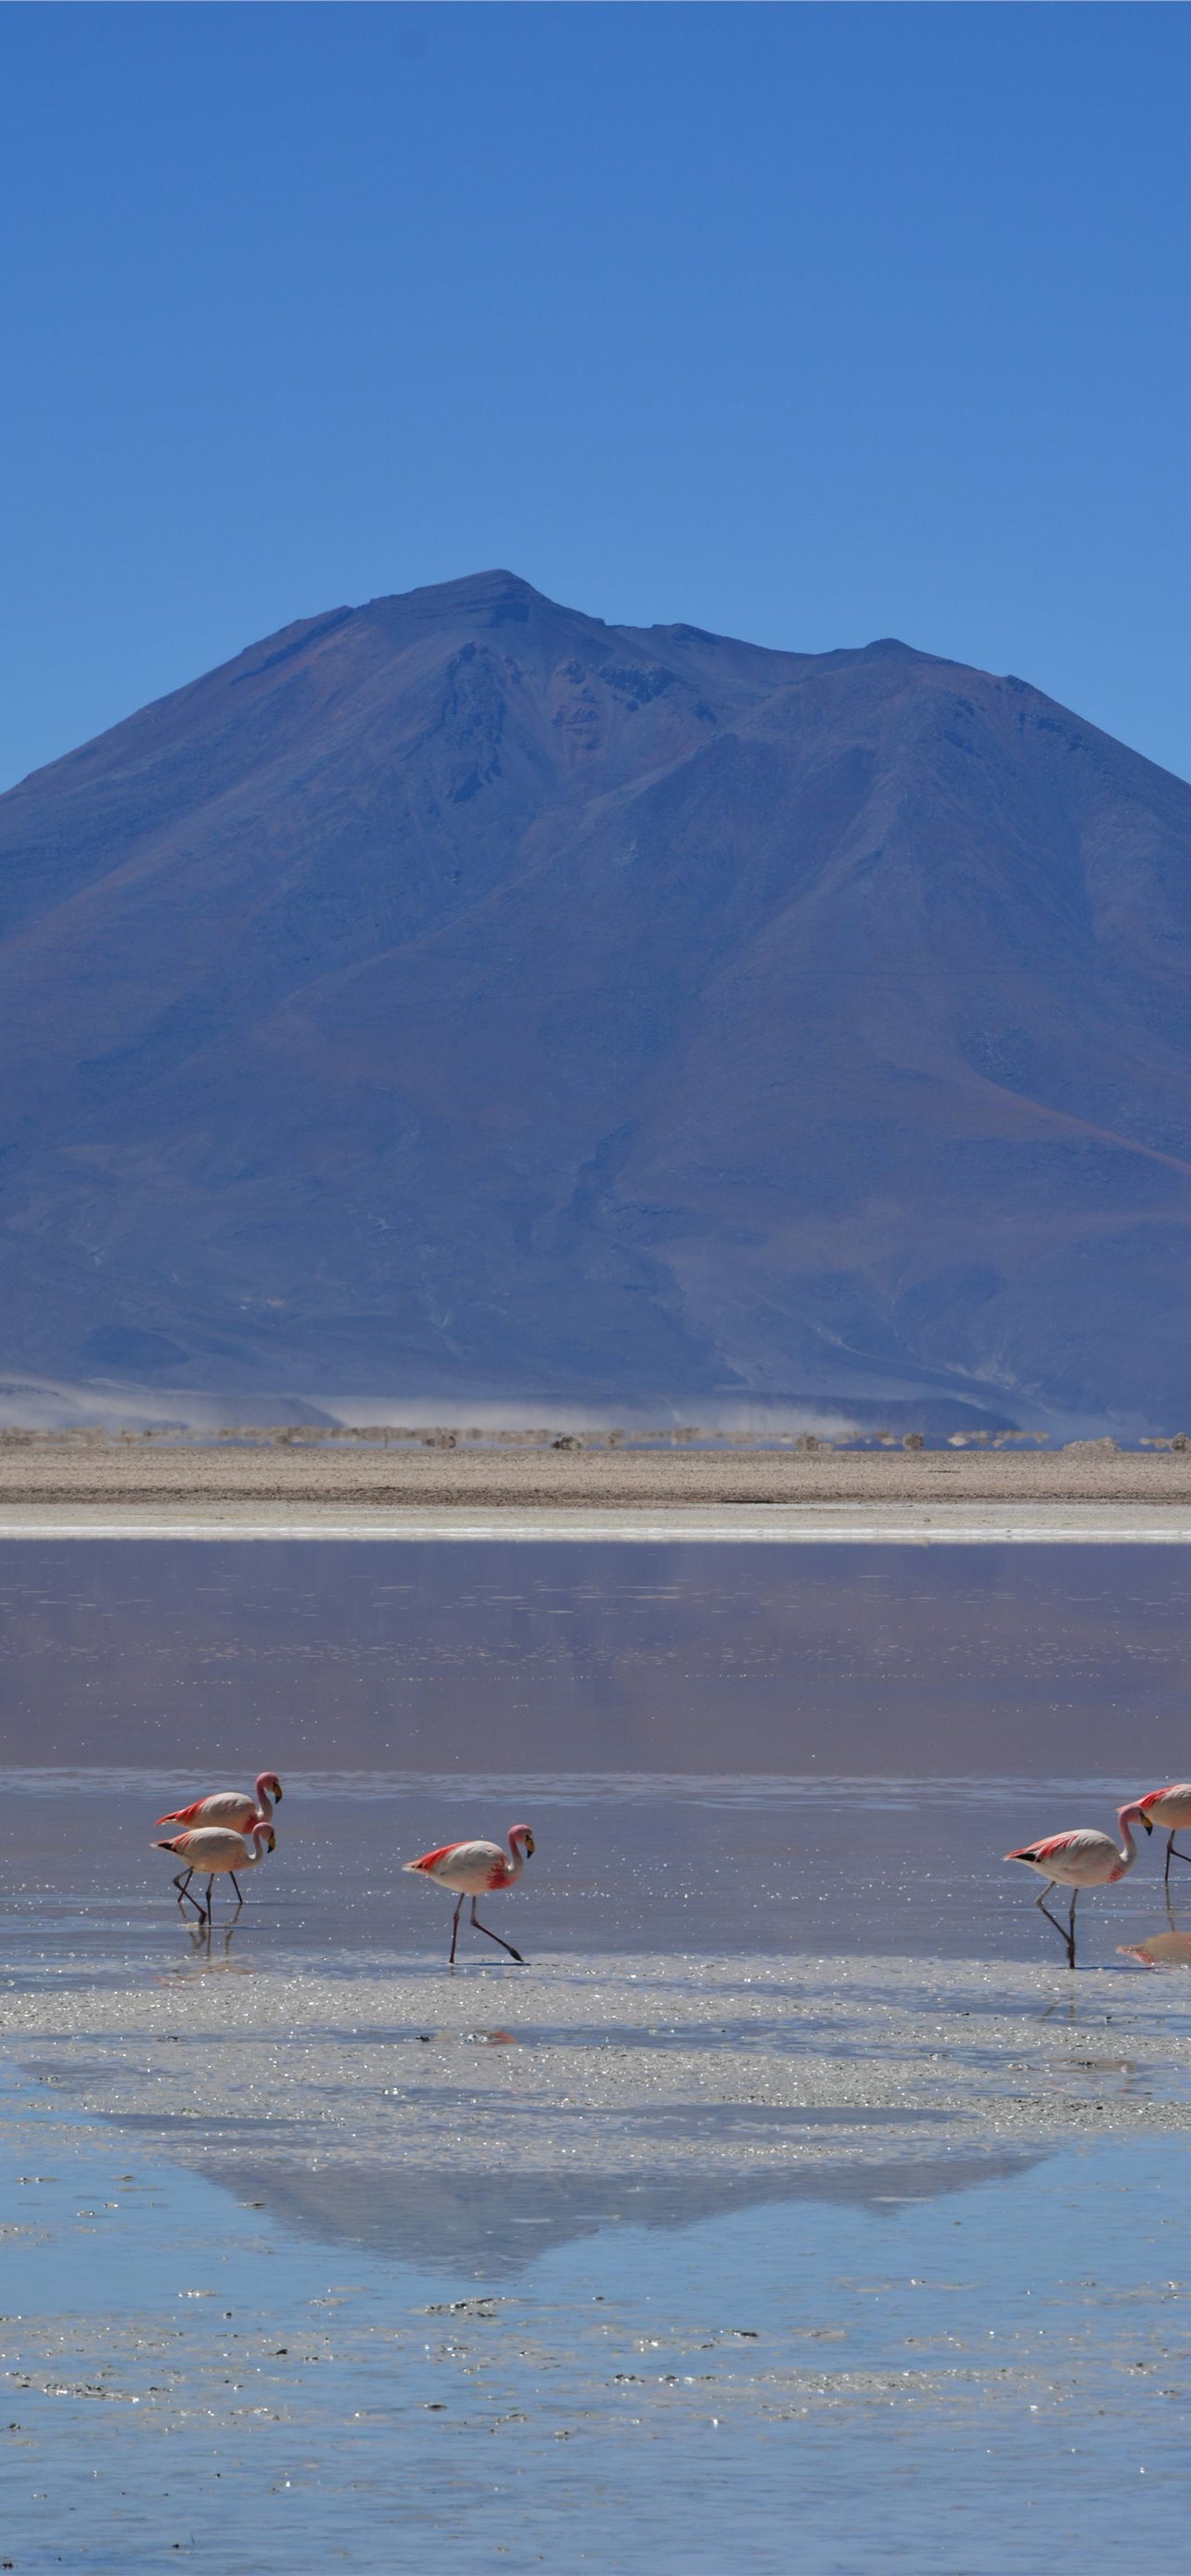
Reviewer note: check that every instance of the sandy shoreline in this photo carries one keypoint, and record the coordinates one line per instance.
(52, 1473)
(50, 1488)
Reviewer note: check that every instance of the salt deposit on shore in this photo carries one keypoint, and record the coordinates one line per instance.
(136, 1488)
(656, 2064)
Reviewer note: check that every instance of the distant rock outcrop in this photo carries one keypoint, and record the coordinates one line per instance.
(459, 995)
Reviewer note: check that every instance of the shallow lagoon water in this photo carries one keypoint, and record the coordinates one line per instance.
(908, 2386)
(792, 2206)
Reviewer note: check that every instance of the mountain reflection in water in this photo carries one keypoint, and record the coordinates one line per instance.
(498, 2223)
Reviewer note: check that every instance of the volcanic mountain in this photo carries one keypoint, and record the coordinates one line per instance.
(457, 996)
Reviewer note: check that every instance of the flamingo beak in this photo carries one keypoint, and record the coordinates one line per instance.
(529, 1844)
(272, 1840)
(277, 1793)
(1148, 1826)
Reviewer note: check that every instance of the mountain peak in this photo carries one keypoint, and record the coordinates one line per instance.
(890, 648)
(490, 597)
(461, 996)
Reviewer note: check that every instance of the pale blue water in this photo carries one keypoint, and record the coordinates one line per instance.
(922, 2384)
(820, 1867)
(969, 2363)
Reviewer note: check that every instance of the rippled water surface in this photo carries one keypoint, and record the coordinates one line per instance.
(792, 2206)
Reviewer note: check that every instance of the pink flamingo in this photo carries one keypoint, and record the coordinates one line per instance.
(215, 1849)
(229, 1807)
(1086, 1859)
(1169, 1807)
(478, 1869)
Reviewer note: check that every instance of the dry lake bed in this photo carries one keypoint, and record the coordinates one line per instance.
(792, 2206)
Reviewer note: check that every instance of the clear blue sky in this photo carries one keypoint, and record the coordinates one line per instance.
(808, 323)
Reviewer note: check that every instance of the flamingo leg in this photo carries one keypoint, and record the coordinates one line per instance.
(1066, 1933)
(494, 1936)
(1173, 1853)
(182, 1885)
(455, 1932)
(210, 1886)
(236, 1884)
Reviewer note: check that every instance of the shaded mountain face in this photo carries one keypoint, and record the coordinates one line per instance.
(460, 996)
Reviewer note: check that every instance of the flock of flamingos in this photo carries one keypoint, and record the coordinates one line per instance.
(230, 1831)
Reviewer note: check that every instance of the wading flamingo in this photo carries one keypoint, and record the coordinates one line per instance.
(229, 1807)
(1082, 1860)
(1170, 1807)
(477, 1869)
(214, 1849)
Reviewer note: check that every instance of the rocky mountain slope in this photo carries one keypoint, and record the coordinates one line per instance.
(459, 996)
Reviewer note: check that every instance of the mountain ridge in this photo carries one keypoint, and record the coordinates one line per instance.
(458, 994)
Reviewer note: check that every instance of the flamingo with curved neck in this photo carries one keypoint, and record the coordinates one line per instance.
(1170, 1807)
(477, 1869)
(1082, 1859)
(214, 1850)
(229, 1807)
